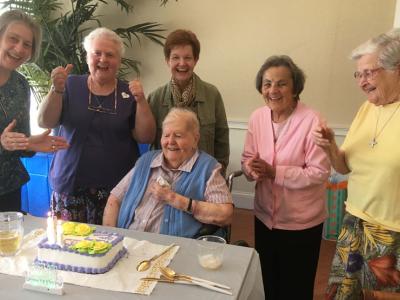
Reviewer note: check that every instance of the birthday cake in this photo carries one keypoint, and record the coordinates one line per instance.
(83, 249)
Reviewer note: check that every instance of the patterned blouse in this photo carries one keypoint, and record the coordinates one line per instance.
(14, 104)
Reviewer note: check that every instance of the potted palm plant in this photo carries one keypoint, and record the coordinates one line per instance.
(64, 27)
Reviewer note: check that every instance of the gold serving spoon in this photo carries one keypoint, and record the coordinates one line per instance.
(145, 264)
(206, 285)
(171, 274)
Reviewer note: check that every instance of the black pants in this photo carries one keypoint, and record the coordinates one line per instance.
(289, 260)
(11, 201)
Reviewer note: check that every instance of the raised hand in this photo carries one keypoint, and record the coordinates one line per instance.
(323, 136)
(11, 140)
(59, 77)
(136, 88)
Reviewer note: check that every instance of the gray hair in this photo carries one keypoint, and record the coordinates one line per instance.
(386, 45)
(106, 33)
(17, 16)
(298, 76)
(183, 115)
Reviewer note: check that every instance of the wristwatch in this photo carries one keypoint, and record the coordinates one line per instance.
(189, 208)
(53, 89)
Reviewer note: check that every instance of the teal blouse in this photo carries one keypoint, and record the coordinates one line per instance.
(14, 104)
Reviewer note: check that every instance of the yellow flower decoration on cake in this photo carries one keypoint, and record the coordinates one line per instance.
(81, 229)
(91, 247)
(69, 228)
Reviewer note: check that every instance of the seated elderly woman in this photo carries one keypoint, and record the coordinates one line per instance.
(174, 191)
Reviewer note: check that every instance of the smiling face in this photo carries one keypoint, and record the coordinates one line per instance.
(381, 86)
(103, 60)
(277, 91)
(178, 143)
(15, 46)
(181, 63)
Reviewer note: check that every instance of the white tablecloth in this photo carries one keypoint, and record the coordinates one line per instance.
(123, 277)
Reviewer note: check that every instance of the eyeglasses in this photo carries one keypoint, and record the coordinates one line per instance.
(367, 74)
(99, 106)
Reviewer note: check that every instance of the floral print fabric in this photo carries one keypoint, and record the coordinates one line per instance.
(86, 205)
(366, 261)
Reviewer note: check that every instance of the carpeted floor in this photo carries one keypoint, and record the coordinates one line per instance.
(243, 229)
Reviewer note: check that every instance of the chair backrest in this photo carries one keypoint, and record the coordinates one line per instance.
(229, 182)
(225, 232)
(143, 148)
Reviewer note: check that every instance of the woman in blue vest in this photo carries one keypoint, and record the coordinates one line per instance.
(173, 191)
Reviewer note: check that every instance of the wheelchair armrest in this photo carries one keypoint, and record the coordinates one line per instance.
(232, 175)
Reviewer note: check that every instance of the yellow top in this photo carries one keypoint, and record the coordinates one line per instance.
(374, 181)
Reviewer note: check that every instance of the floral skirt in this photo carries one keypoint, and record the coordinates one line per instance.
(366, 264)
(85, 205)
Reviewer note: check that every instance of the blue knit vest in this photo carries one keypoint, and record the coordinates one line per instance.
(190, 184)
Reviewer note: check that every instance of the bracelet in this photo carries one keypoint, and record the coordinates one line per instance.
(189, 207)
(53, 89)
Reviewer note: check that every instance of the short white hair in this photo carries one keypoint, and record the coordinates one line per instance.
(386, 45)
(106, 33)
(183, 115)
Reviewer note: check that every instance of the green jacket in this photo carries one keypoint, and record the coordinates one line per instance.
(209, 107)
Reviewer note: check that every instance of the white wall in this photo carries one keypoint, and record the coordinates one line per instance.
(237, 36)
(396, 22)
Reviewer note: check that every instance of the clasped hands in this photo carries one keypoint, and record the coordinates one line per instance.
(259, 169)
(167, 195)
(13, 141)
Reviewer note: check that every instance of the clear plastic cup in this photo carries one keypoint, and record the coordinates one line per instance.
(11, 232)
(210, 251)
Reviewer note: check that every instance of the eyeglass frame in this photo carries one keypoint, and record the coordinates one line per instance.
(100, 108)
(367, 73)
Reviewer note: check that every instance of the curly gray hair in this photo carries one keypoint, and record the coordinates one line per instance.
(386, 45)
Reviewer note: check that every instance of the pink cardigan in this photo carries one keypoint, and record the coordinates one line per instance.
(295, 200)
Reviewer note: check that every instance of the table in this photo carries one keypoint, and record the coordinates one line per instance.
(241, 270)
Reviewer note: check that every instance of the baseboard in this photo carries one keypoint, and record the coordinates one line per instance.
(243, 199)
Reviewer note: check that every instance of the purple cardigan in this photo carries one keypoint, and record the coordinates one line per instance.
(116, 136)
(295, 200)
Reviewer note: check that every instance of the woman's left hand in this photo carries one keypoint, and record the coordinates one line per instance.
(13, 141)
(46, 143)
(136, 88)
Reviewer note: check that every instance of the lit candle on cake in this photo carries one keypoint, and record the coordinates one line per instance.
(60, 234)
(51, 235)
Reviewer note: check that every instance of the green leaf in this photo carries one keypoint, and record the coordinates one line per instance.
(63, 33)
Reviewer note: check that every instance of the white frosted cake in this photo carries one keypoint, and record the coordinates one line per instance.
(94, 252)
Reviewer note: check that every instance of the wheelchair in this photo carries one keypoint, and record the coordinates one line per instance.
(225, 232)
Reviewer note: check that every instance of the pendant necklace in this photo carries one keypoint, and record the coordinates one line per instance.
(2, 107)
(374, 141)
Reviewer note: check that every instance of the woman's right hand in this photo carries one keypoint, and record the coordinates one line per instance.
(258, 169)
(59, 77)
(324, 137)
(11, 140)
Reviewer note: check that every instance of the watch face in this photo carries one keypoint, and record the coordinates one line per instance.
(189, 208)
